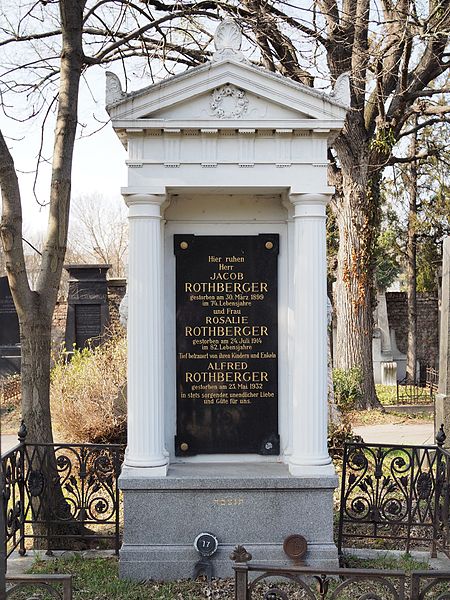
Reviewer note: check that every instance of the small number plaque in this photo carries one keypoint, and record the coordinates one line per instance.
(206, 544)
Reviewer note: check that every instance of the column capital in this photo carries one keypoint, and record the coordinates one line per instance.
(309, 199)
(132, 199)
(309, 205)
(145, 205)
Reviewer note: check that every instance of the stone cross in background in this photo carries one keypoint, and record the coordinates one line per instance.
(443, 395)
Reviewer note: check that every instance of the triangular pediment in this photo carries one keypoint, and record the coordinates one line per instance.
(224, 102)
(225, 90)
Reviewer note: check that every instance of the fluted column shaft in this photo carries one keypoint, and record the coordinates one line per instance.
(309, 449)
(145, 336)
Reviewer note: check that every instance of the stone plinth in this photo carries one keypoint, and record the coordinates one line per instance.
(257, 505)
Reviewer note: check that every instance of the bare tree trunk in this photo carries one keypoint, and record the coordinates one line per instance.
(411, 271)
(354, 306)
(35, 308)
(35, 339)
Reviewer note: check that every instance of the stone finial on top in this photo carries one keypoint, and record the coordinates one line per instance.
(228, 41)
(341, 90)
(114, 91)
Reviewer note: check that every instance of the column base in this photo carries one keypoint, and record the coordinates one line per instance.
(144, 472)
(308, 470)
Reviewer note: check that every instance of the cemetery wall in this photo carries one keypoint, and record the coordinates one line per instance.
(59, 324)
(427, 325)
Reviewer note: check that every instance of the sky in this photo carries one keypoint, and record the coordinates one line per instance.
(99, 157)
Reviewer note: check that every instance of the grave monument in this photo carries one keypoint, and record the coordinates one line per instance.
(227, 314)
(87, 305)
(10, 353)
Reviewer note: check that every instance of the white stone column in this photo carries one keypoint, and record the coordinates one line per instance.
(309, 448)
(145, 451)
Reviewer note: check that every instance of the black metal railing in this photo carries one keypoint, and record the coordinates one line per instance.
(58, 587)
(432, 380)
(65, 495)
(423, 392)
(429, 585)
(413, 393)
(398, 494)
(282, 583)
(441, 533)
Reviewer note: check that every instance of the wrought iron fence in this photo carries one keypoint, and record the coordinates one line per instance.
(282, 583)
(413, 393)
(430, 585)
(398, 494)
(54, 586)
(10, 390)
(441, 532)
(61, 492)
(423, 392)
(432, 380)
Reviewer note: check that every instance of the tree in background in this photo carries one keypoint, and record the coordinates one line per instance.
(417, 219)
(395, 54)
(387, 262)
(46, 48)
(410, 178)
(99, 232)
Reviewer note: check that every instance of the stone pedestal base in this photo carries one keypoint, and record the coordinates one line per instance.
(442, 415)
(255, 505)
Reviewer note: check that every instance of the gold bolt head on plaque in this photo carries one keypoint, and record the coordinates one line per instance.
(269, 245)
(184, 245)
(184, 446)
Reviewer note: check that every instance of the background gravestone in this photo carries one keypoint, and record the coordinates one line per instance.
(87, 305)
(9, 332)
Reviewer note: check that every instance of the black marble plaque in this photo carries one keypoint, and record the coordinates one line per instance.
(227, 344)
(88, 324)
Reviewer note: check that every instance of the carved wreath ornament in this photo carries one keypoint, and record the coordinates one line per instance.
(229, 102)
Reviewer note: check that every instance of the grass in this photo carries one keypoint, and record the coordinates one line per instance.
(97, 579)
(386, 561)
(378, 417)
(387, 394)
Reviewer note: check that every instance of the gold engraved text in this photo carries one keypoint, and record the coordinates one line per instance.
(228, 501)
